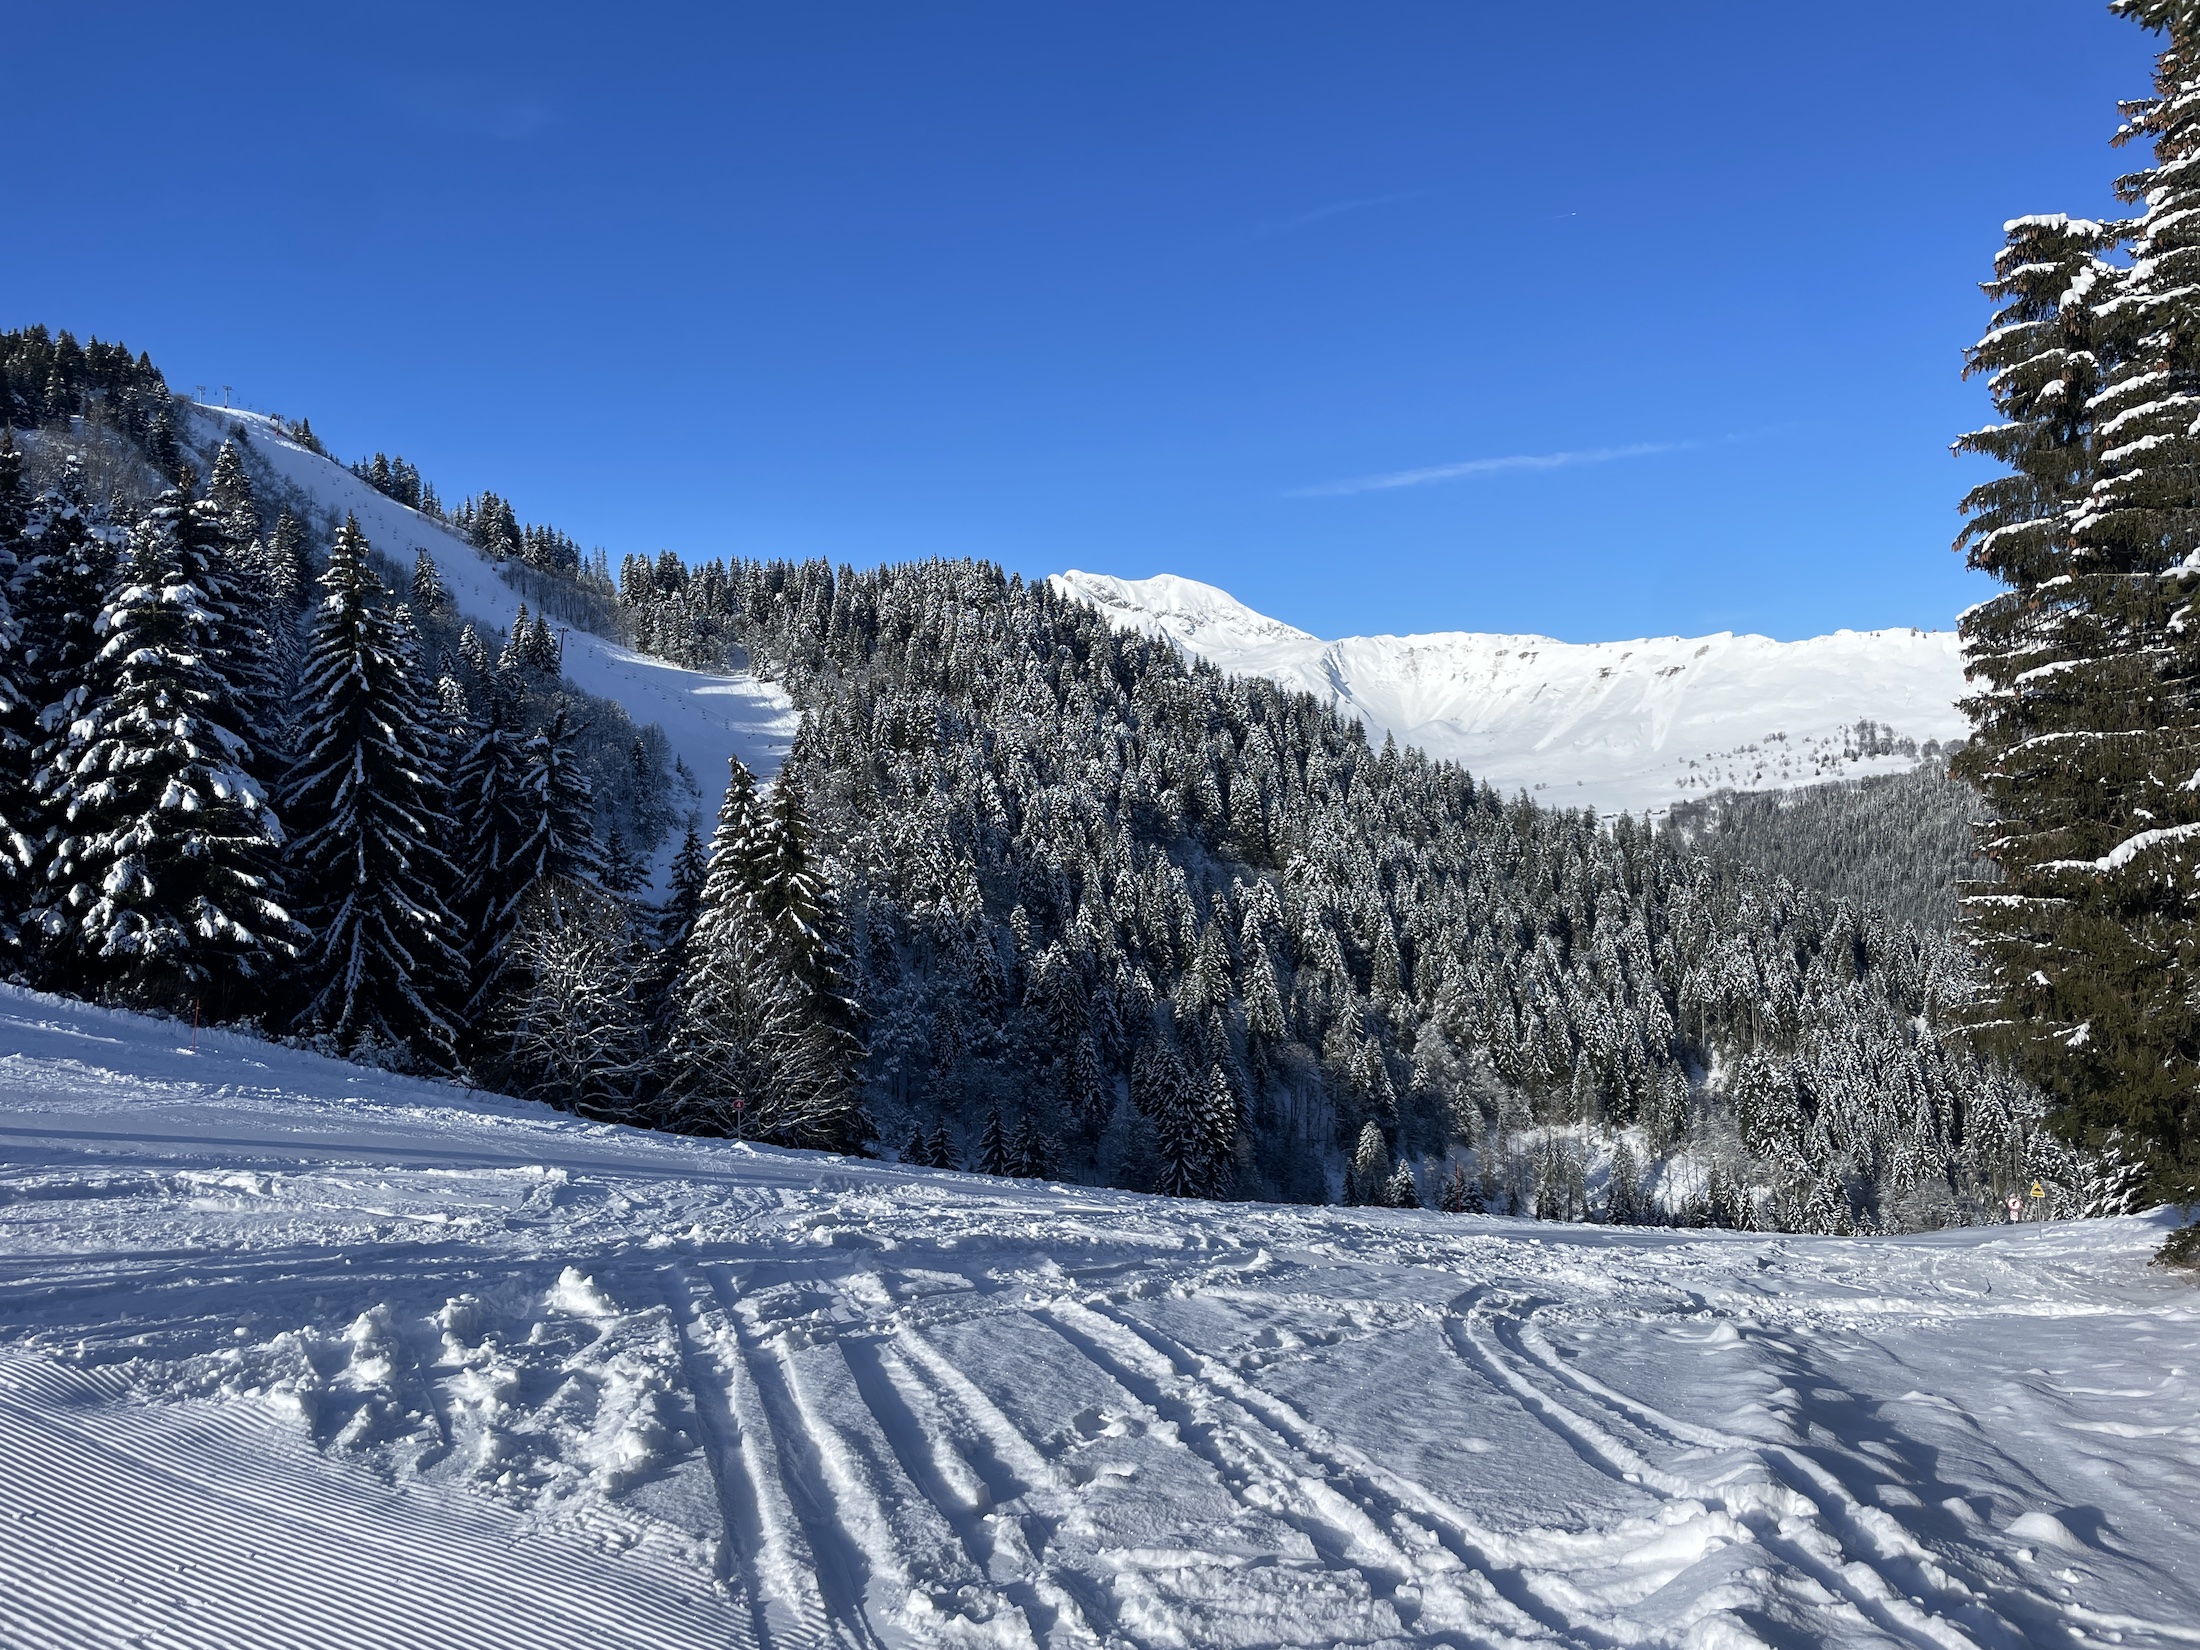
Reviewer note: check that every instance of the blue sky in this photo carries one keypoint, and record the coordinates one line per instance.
(1599, 320)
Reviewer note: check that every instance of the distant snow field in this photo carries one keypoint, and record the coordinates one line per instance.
(1611, 725)
(293, 1353)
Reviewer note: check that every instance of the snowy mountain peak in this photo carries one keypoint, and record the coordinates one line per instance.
(1193, 615)
(1613, 725)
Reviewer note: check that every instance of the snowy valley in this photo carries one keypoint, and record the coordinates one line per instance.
(296, 1353)
(628, 1022)
(1633, 726)
(303, 1352)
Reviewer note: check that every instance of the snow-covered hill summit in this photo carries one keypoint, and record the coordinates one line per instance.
(1612, 725)
(293, 1353)
(706, 716)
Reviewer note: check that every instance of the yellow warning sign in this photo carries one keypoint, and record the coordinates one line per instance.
(2038, 1190)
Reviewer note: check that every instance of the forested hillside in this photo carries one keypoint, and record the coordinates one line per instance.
(1898, 843)
(1116, 915)
(1032, 896)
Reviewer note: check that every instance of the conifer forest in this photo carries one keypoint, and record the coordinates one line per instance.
(1038, 897)
(1032, 896)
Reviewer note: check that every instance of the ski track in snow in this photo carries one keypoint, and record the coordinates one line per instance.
(706, 717)
(293, 1353)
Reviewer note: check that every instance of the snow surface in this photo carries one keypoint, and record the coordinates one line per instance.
(295, 1353)
(706, 716)
(1611, 725)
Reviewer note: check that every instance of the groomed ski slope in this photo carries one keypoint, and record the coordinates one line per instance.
(1609, 725)
(294, 1353)
(706, 716)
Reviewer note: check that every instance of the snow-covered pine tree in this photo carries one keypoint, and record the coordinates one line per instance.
(1173, 1103)
(1085, 1095)
(366, 804)
(804, 912)
(1030, 1151)
(742, 1058)
(994, 1155)
(258, 641)
(161, 447)
(557, 808)
(1368, 1177)
(1220, 1116)
(1401, 1191)
(740, 844)
(62, 584)
(473, 652)
(623, 870)
(1623, 1188)
(683, 892)
(488, 804)
(2089, 725)
(939, 1151)
(519, 646)
(229, 490)
(454, 711)
(545, 650)
(15, 709)
(290, 560)
(162, 887)
(429, 593)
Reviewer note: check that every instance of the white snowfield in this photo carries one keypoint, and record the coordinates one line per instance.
(1610, 725)
(295, 1353)
(706, 717)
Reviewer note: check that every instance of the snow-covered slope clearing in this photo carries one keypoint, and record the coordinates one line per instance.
(294, 1353)
(1611, 725)
(706, 717)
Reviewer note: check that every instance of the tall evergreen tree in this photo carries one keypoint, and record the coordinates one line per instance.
(290, 560)
(229, 490)
(683, 893)
(994, 1154)
(63, 583)
(366, 803)
(744, 1057)
(162, 886)
(15, 730)
(2088, 717)
(488, 801)
(429, 593)
(1367, 1180)
(800, 904)
(258, 641)
(2051, 715)
(557, 808)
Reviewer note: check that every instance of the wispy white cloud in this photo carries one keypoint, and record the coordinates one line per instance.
(1393, 479)
(1338, 208)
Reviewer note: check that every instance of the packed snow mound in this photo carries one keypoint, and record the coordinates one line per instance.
(1612, 725)
(706, 716)
(295, 1353)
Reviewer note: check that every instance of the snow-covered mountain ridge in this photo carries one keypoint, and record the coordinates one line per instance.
(1613, 725)
(706, 716)
(295, 1353)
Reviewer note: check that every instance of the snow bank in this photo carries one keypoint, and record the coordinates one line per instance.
(295, 1353)
(1610, 725)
